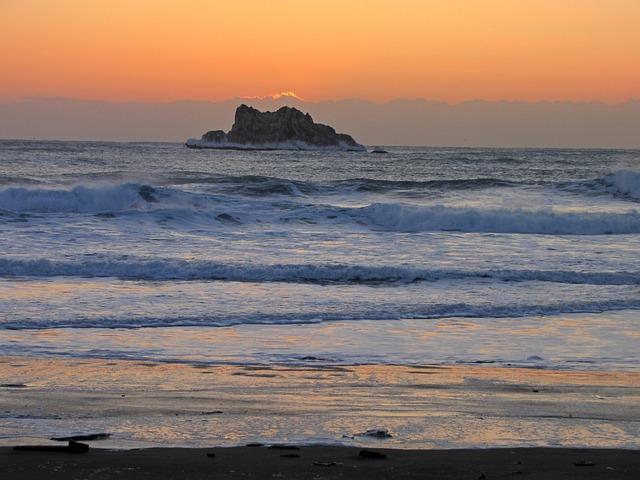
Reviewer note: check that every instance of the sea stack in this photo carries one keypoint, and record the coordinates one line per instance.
(286, 129)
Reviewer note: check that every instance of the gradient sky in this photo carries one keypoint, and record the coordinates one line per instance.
(453, 50)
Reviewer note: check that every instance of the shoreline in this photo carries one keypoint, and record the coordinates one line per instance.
(323, 462)
(149, 404)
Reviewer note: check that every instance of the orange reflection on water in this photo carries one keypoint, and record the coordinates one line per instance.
(421, 405)
(42, 290)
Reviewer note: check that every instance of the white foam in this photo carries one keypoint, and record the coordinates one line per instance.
(411, 218)
(292, 145)
(269, 208)
(79, 199)
(627, 182)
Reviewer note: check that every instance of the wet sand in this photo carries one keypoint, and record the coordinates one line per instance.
(424, 407)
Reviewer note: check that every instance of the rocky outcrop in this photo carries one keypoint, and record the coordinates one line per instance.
(286, 129)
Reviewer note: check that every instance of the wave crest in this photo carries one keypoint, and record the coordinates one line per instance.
(79, 199)
(627, 182)
(440, 311)
(410, 218)
(401, 217)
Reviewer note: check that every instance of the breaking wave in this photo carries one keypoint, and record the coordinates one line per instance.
(624, 184)
(409, 218)
(627, 182)
(80, 199)
(263, 201)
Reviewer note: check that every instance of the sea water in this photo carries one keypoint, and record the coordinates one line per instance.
(152, 251)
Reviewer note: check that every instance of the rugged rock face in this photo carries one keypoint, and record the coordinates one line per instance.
(287, 129)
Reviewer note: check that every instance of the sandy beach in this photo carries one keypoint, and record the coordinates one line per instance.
(322, 463)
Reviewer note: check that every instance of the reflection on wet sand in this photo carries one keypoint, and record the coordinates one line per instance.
(422, 406)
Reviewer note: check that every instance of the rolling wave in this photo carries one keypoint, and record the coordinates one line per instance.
(457, 184)
(388, 215)
(426, 312)
(186, 270)
(623, 184)
(257, 185)
(627, 182)
(117, 197)
(79, 199)
(410, 218)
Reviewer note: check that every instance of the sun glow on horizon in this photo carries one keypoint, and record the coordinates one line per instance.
(275, 96)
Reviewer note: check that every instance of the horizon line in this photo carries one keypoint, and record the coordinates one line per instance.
(460, 147)
(294, 97)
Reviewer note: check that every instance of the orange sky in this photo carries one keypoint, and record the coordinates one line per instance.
(451, 50)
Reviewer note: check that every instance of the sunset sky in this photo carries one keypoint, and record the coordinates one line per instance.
(378, 50)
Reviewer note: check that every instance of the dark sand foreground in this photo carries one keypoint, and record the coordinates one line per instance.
(321, 463)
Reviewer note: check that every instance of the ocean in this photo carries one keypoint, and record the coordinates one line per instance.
(152, 251)
(171, 296)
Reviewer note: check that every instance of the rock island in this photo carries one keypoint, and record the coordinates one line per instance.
(286, 129)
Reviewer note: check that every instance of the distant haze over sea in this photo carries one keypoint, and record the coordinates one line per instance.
(416, 122)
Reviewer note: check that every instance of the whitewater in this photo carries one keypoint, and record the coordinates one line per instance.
(153, 251)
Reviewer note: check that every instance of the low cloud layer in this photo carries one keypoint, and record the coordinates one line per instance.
(400, 122)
